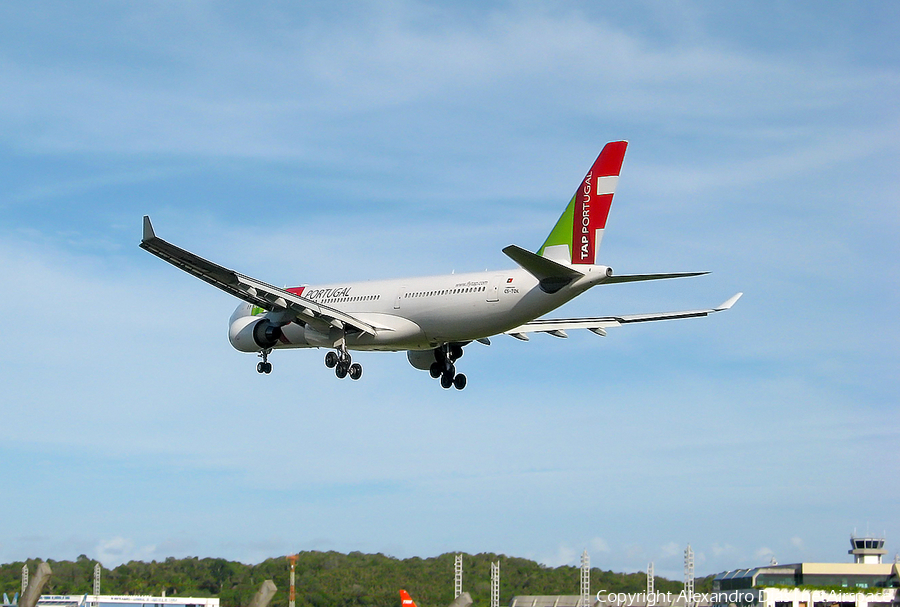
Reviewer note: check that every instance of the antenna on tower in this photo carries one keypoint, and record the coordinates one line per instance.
(689, 576)
(495, 584)
(650, 589)
(457, 578)
(585, 579)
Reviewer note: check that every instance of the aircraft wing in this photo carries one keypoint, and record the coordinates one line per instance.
(249, 289)
(557, 327)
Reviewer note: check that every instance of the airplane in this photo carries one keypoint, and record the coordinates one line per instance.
(432, 318)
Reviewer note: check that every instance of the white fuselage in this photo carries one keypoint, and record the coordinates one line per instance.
(419, 313)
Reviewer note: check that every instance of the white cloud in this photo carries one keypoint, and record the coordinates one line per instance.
(286, 95)
(763, 553)
(118, 550)
(564, 555)
(633, 551)
(671, 549)
(814, 152)
(719, 549)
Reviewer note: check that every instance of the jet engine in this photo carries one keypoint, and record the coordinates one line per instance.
(266, 334)
(248, 334)
(421, 359)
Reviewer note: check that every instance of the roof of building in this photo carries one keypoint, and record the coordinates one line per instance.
(886, 570)
(849, 568)
(554, 600)
(81, 600)
(635, 599)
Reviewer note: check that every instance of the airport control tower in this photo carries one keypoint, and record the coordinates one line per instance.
(867, 550)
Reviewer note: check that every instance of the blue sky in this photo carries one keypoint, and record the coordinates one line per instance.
(374, 140)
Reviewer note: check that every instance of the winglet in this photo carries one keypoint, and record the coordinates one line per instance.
(406, 600)
(148, 229)
(727, 305)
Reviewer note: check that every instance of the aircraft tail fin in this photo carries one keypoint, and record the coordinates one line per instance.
(575, 239)
(406, 600)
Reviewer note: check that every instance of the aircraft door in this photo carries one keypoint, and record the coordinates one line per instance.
(400, 296)
(493, 292)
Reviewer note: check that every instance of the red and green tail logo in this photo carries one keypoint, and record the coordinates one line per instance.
(577, 235)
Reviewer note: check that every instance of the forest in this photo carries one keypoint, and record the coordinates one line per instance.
(331, 579)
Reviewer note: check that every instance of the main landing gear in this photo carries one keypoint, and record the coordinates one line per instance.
(265, 366)
(444, 368)
(342, 364)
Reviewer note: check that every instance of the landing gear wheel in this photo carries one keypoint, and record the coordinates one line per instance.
(331, 360)
(459, 382)
(265, 366)
(355, 371)
(436, 370)
(446, 381)
(341, 370)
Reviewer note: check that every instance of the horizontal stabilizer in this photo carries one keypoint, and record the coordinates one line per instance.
(552, 276)
(641, 277)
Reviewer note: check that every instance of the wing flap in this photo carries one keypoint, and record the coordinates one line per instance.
(598, 325)
(249, 289)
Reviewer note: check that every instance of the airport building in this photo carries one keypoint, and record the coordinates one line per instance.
(88, 600)
(866, 582)
(635, 599)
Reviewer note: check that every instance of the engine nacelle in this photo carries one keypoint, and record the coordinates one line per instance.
(421, 359)
(265, 334)
(252, 334)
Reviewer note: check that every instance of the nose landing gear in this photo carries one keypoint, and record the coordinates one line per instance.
(265, 366)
